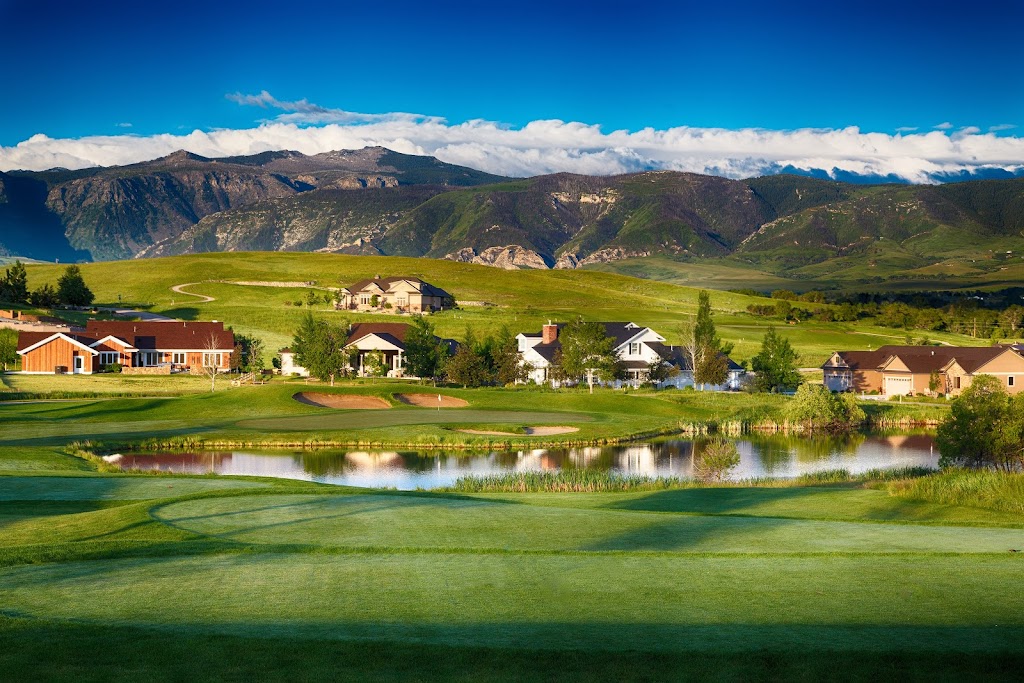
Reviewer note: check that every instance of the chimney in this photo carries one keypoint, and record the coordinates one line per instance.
(549, 333)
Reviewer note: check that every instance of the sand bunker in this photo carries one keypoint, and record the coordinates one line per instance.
(341, 401)
(529, 431)
(430, 400)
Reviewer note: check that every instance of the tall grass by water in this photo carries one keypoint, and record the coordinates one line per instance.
(603, 481)
(975, 488)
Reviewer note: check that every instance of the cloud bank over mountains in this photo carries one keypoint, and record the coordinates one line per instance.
(550, 146)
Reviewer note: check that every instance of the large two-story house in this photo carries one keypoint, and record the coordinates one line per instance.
(137, 347)
(394, 294)
(637, 348)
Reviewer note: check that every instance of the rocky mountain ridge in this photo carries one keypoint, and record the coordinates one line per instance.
(375, 201)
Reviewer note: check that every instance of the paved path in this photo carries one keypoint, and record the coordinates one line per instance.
(179, 289)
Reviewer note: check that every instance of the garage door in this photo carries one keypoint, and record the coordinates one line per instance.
(898, 386)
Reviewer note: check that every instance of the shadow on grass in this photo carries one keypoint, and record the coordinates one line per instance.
(182, 313)
(41, 650)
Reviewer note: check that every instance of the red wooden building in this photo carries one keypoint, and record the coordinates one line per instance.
(141, 347)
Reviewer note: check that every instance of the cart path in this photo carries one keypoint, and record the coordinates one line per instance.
(179, 289)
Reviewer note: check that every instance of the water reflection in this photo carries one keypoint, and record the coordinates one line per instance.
(772, 456)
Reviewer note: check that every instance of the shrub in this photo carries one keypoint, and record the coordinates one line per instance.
(715, 459)
(817, 408)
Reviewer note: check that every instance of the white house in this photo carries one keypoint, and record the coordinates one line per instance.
(289, 366)
(637, 348)
(389, 340)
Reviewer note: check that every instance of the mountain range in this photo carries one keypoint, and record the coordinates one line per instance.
(376, 201)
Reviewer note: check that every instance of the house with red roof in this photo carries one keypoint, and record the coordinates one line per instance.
(149, 347)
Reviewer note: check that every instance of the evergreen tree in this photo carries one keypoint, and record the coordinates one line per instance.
(71, 288)
(14, 286)
(705, 352)
(775, 364)
(44, 296)
(505, 360)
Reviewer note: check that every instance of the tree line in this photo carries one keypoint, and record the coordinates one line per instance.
(71, 289)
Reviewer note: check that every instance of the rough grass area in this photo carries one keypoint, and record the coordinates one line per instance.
(980, 488)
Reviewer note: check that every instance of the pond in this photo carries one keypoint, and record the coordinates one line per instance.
(783, 457)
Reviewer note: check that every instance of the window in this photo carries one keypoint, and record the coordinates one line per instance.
(109, 357)
(211, 360)
(1009, 381)
(364, 300)
(634, 348)
(178, 358)
(958, 381)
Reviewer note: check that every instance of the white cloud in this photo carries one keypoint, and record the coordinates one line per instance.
(906, 129)
(123, 125)
(549, 146)
(304, 112)
(945, 125)
(1001, 127)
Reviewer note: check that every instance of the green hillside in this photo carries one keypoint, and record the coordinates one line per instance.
(523, 300)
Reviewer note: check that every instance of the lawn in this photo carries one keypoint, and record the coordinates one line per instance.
(130, 577)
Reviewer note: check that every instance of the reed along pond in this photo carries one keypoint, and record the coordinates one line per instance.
(774, 456)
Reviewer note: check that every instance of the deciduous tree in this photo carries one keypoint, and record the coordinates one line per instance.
(984, 428)
(425, 354)
(8, 348)
(775, 364)
(713, 460)
(817, 409)
(588, 352)
(467, 367)
(319, 347)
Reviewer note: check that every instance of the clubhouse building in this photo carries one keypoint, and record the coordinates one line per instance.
(153, 348)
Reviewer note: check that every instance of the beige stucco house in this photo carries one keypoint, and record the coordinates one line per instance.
(394, 294)
(909, 370)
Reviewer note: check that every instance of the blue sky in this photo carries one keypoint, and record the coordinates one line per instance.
(144, 69)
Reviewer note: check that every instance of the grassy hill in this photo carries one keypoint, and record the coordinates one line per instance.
(523, 300)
